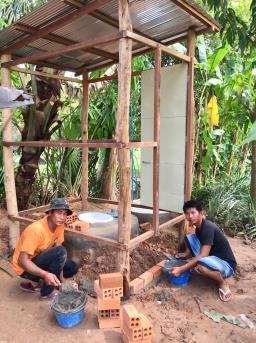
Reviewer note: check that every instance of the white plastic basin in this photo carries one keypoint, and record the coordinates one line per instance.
(95, 217)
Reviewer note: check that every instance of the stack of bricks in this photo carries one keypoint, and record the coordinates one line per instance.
(74, 224)
(109, 290)
(135, 326)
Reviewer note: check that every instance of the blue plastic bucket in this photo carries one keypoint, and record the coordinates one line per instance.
(70, 316)
(181, 280)
(68, 320)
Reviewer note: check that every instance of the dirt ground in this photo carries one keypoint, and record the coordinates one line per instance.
(176, 313)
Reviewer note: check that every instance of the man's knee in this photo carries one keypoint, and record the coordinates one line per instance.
(61, 252)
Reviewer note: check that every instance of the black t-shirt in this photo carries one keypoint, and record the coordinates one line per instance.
(211, 234)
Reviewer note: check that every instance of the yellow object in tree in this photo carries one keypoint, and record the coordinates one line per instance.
(213, 112)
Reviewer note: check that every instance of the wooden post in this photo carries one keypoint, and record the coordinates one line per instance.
(190, 116)
(156, 153)
(84, 133)
(8, 167)
(122, 135)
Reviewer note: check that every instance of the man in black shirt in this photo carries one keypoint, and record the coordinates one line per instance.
(208, 249)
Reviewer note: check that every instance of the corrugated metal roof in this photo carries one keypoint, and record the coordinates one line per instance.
(161, 20)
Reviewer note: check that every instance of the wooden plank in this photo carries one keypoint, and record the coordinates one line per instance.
(114, 202)
(156, 151)
(84, 134)
(78, 144)
(192, 11)
(153, 44)
(62, 144)
(190, 118)
(39, 73)
(111, 77)
(20, 219)
(44, 207)
(64, 41)
(141, 238)
(57, 24)
(98, 239)
(173, 221)
(89, 43)
(122, 134)
(8, 164)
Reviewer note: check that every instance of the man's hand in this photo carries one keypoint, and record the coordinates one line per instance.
(176, 271)
(51, 279)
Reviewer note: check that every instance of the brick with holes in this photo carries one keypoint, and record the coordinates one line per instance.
(118, 292)
(125, 339)
(108, 304)
(103, 314)
(115, 313)
(105, 293)
(134, 334)
(131, 317)
(79, 226)
(109, 323)
(111, 280)
(146, 326)
(72, 218)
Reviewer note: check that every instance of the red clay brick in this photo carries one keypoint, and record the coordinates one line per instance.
(111, 280)
(133, 334)
(146, 326)
(109, 323)
(147, 277)
(161, 264)
(115, 313)
(72, 218)
(125, 339)
(104, 294)
(109, 304)
(131, 316)
(118, 292)
(136, 285)
(156, 271)
(103, 314)
(79, 226)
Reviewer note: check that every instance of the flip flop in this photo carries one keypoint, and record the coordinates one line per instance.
(50, 296)
(225, 296)
(28, 287)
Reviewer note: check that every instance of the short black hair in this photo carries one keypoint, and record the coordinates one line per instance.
(192, 204)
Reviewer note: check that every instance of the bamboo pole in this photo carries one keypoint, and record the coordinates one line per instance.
(156, 151)
(8, 167)
(84, 133)
(190, 116)
(122, 133)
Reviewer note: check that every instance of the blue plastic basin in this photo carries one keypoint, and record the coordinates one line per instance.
(68, 320)
(181, 280)
(74, 308)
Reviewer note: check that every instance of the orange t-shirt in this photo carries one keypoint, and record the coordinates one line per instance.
(36, 238)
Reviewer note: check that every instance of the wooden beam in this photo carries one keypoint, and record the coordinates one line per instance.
(58, 52)
(190, 118)
(20, 219)
(57, 24)
(52, 76)
(153, 44)
(172, 222)
(156, 151)
(44, 207)
(64, 41)
(84, 135)
(8, 164)
(102, 240)
(141, 238)
(196, 14)
(111, 77)
(78, 144)
(122, 134)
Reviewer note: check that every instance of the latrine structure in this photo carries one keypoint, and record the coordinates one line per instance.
(83, 36)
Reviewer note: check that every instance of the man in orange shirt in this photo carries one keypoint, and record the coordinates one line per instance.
(39, 254)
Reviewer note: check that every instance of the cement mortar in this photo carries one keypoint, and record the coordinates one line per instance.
(68, 302)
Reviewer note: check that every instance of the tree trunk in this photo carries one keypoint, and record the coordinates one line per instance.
(38, 125)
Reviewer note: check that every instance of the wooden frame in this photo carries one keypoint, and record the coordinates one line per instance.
(124, 36)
